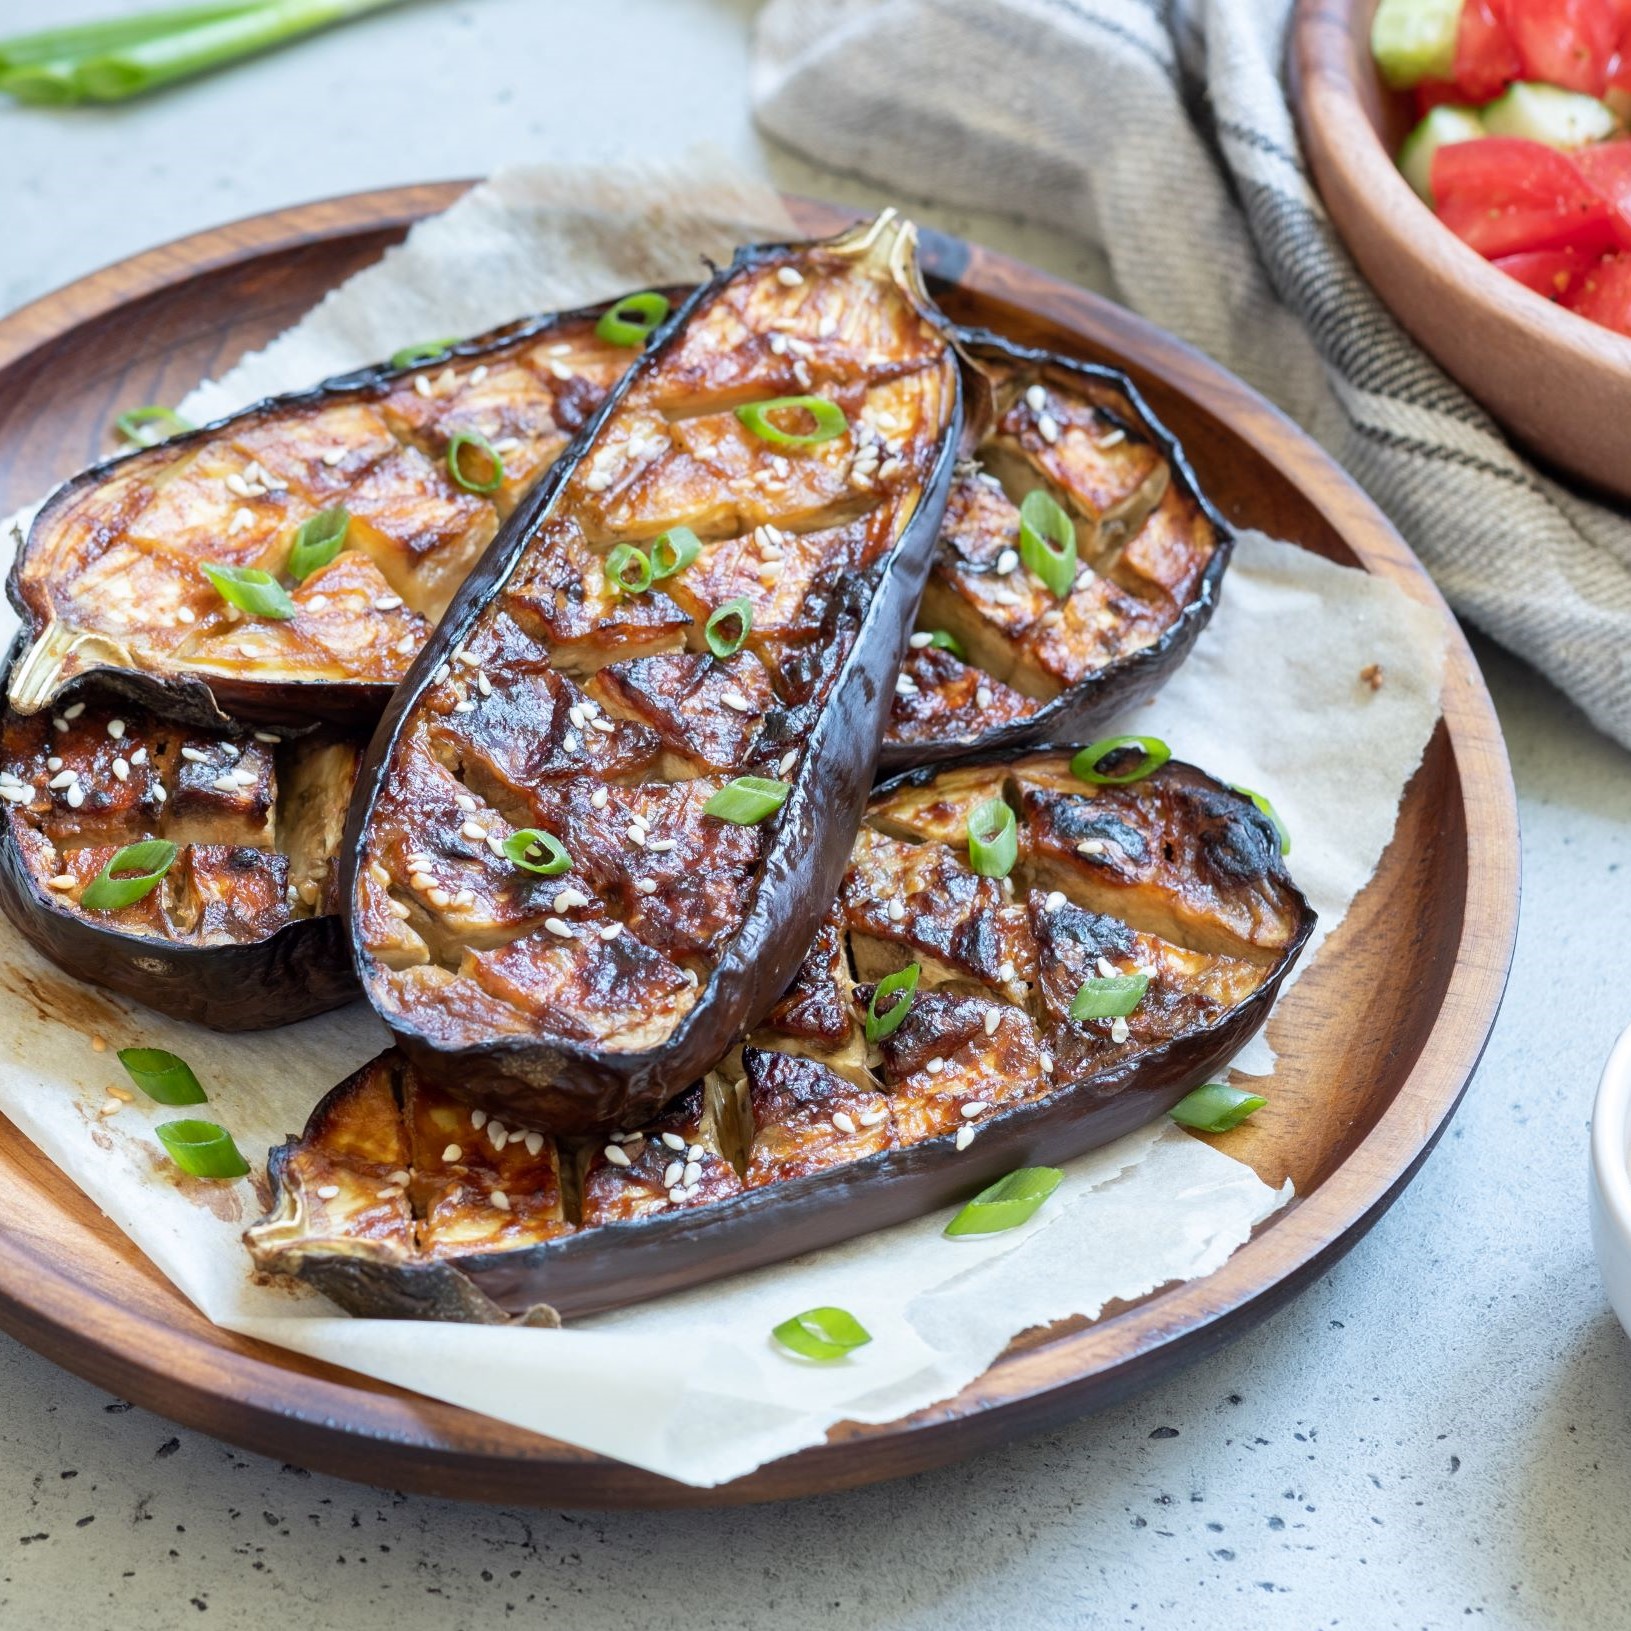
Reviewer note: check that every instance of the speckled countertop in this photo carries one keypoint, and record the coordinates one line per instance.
(1437, 1434)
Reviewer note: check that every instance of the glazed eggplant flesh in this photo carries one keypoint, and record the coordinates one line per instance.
(241, 931)
(1031, 665)
(111, 578)
(557, 700)
(809, 1133)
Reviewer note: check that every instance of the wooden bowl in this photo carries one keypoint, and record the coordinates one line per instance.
(1559, 384)
(1377, 1040)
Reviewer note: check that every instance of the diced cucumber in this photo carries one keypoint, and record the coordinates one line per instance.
(1441, 127)
(1547, 113)
(1413, 40)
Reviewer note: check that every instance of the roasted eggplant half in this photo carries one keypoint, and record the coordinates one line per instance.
(399, 1199)
(424, 462)
(228, 912)
(1006, 656)
(601, 819)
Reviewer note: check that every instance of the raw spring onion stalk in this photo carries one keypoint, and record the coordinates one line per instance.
(1268, 810)
(993, 839)
(1047, 542)
(147, 427)
(534, 850)
(633, 319)
(822, 1333)
(129, 56)
(250, 590)
(891, 998)
(318, 541)
(827, 420)
(1085, 766)
(1008, 1203)
(1111, 996)
(1215, 1108)
(748, 800)
(202, 1150)
(130, 875)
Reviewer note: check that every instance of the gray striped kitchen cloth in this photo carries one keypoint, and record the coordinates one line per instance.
(1162, 133)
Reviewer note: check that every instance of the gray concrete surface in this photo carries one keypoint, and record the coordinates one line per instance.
(1435, 1435)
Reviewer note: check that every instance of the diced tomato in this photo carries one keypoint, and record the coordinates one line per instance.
(1571, 43)
(1607, 169)
(1604, 294)
(1486, 58)
(1503, 196)
(1552, 272)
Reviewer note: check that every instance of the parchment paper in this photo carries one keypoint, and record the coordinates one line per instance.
(692, 1386)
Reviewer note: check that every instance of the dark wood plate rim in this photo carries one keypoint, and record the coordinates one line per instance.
(334, 1421)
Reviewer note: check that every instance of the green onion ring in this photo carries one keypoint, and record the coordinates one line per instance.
(455, 467)
(147, 861)
(673, 551)
(318, 541)
(1085, 765)
(1267, 809)
(521, 844)
(747, 800)
(993, 839)
(250, 590)
(201, 1149)
(1008, 1203)
(902, 984)
(617, 570)
(720, 643)
(1111, 996)
(633, 319)
(163, 1077)
(945, 640)
(1215, 1108)
(412, 356)
(822, 1333)
(149, 426)
(1047, 542)
(828, 416)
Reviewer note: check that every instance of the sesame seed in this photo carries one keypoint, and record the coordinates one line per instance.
(498, 1134)
(421, 880)
(401, 1176)
(327, 1192)
(1114, 439)
(440, 898)
(53, 763)
(122, 1094)
(935, 1066)
(465, 802)
(674, 1141)
(185, 614)
(1090, 846)
(616, 1154)
(844, 1122)
(441, 676)
(74, 712)
(58, 724)
(965, 1136)
(1045, 1060)
(63, 880)
(1054, 900)
(695, 1153)
(378, 874)
(645, 886)
(389, 1193)
(735, 699)
(904, 686)
(788, 760)
(871, 1118)
(159, 794)
(1047, 428)
(673, 1174)
(1005, 971)
(121, 770)
(569, 743)
(116, 728)
(597, 481)
(16, 792)
(66, 779)
(316, 603)
(1036, 399)
(474, 829)
(421, 383)
(599, 798)
(637, 836)
(660, 846)
(225, 784)
(604, 726)
(453, 1152)
(1004, 597)
(194, 756)
(568, 898)
(1107, 969)
(974, 1109)
(993, 1019)
(676, 1195)
(693, 1171)
(1118, 1028)
(778, 345)
(534, 1142)
(557, 927)
(478, 1119)
(1006, 562)
(397, 909)
(387, 603)
(500, 1200)
(982, 697)
(789, 276)
(610, 931)
(75, 796)
(897, 912)
(920, 640)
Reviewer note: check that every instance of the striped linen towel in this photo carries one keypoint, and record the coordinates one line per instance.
(1162, 133)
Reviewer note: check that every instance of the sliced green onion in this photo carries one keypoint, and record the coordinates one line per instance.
(945, 640)
(748, 799)
(162, 1076)
(993, 839)
(1008, 1203)
(535, 850)
(721, 642)
(250, 590)
(1047, 542)
(1268, 810)
(1216, 1108)
(628, 572)
(319, 540)
(828, 418)
(411, 356)
(455, 462)
(895, 992)
(822, 1333)
(145, 863)
(673, 551)
(201, 1149)
(632, 320)
(149, 426)
(1112, 996)
(56, 45)
(1085, 766)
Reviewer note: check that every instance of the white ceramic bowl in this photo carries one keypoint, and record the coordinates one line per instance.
(1611, 1177)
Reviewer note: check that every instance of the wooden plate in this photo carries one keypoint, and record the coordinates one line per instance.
(1377, 1041)
(1560, 384)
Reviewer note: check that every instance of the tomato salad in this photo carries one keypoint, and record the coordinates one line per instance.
(1521, 146)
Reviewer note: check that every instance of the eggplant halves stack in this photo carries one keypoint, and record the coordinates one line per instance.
(604, 815)
(1005, 659)
(209, 858)
(400, 1201)
(425, 461)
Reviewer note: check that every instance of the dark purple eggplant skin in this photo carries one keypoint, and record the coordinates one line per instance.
(224, 702)
(572, 1089)
(1077, 712)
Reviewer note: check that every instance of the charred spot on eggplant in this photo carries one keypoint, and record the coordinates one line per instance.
(1149, 557)
(806, 1134)
(111, 578)
(569, 693)
(239, 931)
